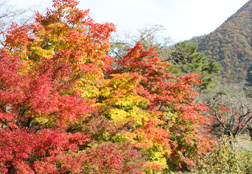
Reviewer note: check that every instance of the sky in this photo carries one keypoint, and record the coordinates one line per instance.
(181, 19)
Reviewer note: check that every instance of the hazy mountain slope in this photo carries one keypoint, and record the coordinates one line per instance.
(230, 44)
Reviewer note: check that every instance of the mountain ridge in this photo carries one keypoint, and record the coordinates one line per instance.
(230, 44)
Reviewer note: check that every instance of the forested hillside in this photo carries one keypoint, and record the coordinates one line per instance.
(230, 44)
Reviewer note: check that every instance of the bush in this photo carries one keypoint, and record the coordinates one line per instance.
(224, 159)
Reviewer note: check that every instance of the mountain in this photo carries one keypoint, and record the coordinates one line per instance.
(231, 45)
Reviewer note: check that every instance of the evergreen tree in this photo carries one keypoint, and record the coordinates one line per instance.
(186, 60)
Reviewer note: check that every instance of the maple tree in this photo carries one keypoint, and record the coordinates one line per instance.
(45, 69)
(163, 116)
(65, 109)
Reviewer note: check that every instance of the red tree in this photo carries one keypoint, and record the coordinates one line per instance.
(181, 125)
(45, 68)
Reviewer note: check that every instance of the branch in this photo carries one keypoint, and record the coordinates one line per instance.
(216, 115)
(245, 125)
(116, 53)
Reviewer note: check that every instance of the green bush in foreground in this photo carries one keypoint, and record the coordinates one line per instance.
(224, 159)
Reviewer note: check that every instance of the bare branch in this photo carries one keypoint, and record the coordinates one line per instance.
(230, 107)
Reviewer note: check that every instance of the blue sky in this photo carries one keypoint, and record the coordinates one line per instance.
(182, 19)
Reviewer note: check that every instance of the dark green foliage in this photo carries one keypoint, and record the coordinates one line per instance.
(230, 44)
(186, 60)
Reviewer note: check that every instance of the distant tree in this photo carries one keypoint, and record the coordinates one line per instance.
(8, 14)
(149, 36)
(186, 60)
(230, 107)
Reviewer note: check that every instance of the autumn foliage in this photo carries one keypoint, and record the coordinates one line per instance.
(65, 109)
